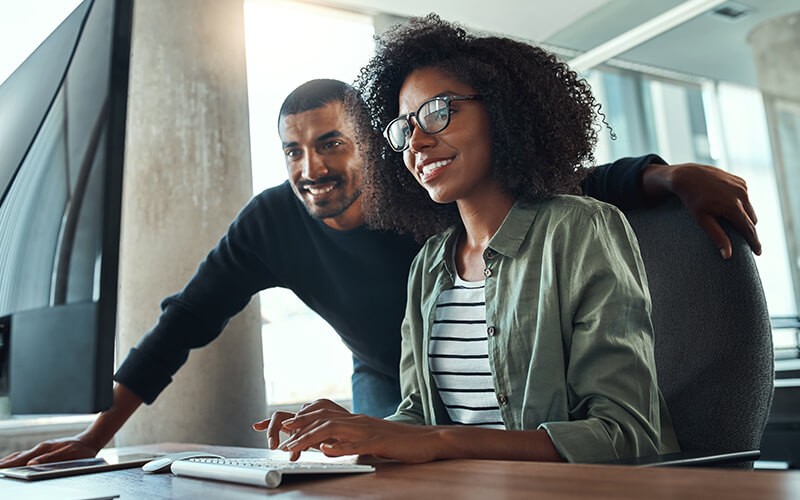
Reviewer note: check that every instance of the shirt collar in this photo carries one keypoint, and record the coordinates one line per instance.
(446, 241)
(507, 240)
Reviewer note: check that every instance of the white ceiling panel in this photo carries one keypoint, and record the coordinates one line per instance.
(531, 19)
(706, 46)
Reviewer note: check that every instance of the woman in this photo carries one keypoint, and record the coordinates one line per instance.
(527, 322)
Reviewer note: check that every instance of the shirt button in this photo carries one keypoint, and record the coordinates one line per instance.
(487, 272)
(502, 399)
(491, 331)
(490, 254)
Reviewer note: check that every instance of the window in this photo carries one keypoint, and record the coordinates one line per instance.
(651, 115)
(336, 44)
(749, 155)
(620, 94)
(713, 123)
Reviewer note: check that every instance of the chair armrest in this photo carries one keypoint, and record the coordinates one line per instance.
(689, 458)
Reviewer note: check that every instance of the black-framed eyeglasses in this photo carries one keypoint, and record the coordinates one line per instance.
(433, 116)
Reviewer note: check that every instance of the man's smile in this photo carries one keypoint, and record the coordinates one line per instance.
(321, 189)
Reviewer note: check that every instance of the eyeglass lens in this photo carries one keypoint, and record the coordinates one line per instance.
(398, 133)
(433, 117)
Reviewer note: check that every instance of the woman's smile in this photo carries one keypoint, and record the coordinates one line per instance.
(430, 169)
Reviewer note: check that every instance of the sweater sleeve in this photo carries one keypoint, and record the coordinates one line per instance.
(620, 183)
(222, 286)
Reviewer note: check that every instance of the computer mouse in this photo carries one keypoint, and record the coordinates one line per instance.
(162, 464)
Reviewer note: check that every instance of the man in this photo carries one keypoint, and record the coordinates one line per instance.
(308, 235)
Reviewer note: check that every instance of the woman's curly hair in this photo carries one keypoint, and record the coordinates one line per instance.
(542, 119)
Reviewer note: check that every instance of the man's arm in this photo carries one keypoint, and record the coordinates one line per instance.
(87, 443)
(710, 194)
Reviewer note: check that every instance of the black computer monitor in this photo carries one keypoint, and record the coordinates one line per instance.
(62, 136)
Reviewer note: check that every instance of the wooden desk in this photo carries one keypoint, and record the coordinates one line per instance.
(480, 479)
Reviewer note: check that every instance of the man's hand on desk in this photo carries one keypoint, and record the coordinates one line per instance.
(86, 444)
(54, 450)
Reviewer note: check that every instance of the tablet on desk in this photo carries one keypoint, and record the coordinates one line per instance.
(75, 467)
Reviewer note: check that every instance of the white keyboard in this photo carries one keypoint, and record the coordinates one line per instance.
(258, 471)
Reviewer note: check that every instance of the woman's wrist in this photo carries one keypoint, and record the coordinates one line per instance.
(452, 442)
(445, 443)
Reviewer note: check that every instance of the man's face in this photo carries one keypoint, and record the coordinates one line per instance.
(323, 163)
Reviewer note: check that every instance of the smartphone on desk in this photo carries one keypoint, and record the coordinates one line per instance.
(80, 466)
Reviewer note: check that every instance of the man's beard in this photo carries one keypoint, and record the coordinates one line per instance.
(328, 208)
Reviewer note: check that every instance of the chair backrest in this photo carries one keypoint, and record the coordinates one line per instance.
(713, 341)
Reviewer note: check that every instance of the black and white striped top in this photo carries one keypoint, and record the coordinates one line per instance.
(459, 356)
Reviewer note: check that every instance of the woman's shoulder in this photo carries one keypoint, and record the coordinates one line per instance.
(573, 203)
(571, 208)
(577, 216)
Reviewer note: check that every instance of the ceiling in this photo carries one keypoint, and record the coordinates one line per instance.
(533, 19)
(708, 46)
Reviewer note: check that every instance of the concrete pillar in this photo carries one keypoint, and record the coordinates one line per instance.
(776, 49)
(775, 45)
(187, 175)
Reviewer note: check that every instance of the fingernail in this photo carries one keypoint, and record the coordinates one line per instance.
(289, 421)
(724, 253)
(271, 442)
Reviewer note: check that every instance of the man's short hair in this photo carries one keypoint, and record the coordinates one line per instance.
(314, 94)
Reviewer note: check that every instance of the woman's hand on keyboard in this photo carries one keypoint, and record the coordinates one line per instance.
(337, 432)
(275, 424)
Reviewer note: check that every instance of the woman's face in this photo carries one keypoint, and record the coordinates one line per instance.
(454, 164)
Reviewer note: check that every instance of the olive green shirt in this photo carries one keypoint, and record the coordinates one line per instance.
(569, 331)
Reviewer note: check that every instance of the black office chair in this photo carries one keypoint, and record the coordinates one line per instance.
(713, 341)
